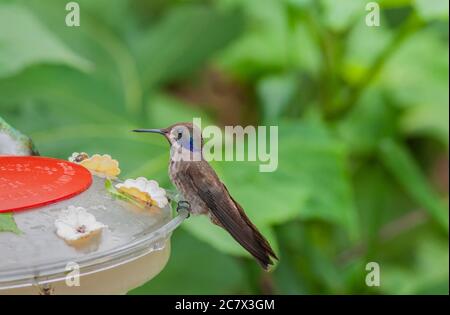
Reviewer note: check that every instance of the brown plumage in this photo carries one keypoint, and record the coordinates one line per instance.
(199, 184)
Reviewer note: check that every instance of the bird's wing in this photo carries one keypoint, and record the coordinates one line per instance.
(228, 212)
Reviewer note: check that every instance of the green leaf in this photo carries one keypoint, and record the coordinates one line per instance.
(387, 4)
(66, 91)
(7, 223)
(416, 78)
(275, 94)
(103, 41)
(432, 9)
(164, 110)
(425, 273)
(184, 40)
(265, 45)
(313, 162)
(339, 15)
(364, 44)
(404, 168)
(380, 200)
(28, 42)
(370, 121)
(276, 39)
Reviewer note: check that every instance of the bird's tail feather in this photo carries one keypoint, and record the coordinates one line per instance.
(250, 238)
(264, 253)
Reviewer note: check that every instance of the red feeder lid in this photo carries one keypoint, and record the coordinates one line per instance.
(34, 181)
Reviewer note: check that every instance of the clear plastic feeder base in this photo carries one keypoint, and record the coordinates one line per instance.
(131, 250)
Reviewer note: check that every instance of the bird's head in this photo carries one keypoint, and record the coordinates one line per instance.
(184, 135)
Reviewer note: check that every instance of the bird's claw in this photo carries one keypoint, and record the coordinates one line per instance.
(184, 205)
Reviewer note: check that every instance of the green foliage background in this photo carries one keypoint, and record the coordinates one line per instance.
(362, 115)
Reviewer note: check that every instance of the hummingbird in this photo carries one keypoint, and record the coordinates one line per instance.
(205, 194)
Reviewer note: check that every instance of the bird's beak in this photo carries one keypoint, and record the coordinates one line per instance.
(163, 132)
(160, 131)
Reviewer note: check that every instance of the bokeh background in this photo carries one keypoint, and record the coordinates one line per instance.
(362, 115)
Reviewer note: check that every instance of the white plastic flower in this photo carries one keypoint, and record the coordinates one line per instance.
(102, 165)
(75, 223)
(145, 190)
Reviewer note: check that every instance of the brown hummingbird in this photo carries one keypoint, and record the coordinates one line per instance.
(204, 193)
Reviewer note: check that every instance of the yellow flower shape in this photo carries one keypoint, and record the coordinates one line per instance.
(147, 191)
(102, 165)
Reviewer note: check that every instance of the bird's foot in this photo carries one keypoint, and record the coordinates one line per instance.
(185, 206)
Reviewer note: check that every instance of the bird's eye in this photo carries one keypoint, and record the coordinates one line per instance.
(180, 134)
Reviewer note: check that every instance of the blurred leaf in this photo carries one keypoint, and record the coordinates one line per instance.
(323, 267)
(394, 3)
(290, 277)
(363, 47)
(370, 121)
(264, 46)
(315, 163)
(308, 258)
(339, 15)
(276, 39)
(379, 200)
(27, 42)
(120, 11)
(165, 110)
(417, 79)
(285, 278)
(432, 9)
(275, 94)
(403, 167)
(185, 39)
(7, 223)
(195, 268)
(79, 94)
(427, 274)
(52, 13)
(102, 41)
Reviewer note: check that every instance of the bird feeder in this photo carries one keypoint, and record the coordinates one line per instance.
(77, 233)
